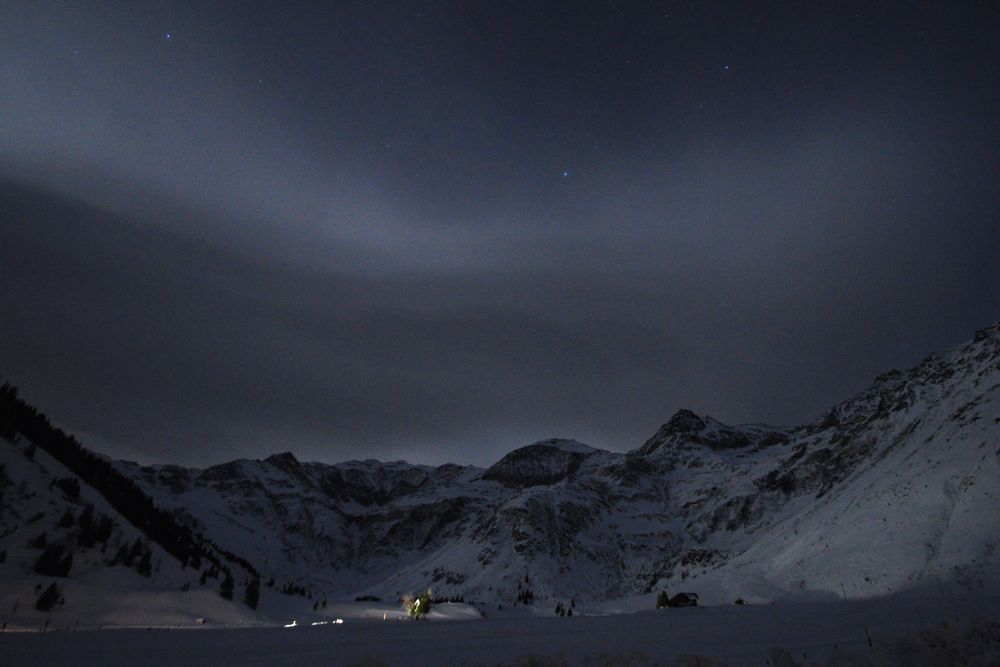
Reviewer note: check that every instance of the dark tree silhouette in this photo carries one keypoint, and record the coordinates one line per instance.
(55, 561)
(67, 519)
(88, 530)
(124, 495)
(252, 597)
(226, 589)
(70, 486)
(145, 564)
(48, 599)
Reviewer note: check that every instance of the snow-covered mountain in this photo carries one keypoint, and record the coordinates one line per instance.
(895, 488)
(68, 554)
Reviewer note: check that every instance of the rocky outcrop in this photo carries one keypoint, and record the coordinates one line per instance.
(545, 462)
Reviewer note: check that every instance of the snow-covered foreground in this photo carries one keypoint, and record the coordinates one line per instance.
(739, 635)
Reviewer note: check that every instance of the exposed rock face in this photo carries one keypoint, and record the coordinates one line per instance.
(896, 485)
(686, 429)
(545, 462)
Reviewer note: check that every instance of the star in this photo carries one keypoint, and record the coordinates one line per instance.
(168, 36)
(565, 174)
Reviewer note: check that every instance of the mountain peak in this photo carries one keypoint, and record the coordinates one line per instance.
(686, 429)
(685, 421)
(705, 503)
(284, 459)
(566, 445)
(545, 462)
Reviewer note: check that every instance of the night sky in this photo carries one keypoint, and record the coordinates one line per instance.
(440, 231)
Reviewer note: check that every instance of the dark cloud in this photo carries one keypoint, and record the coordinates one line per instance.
(347, 232)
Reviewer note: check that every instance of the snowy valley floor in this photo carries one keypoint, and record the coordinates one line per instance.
(809, 632)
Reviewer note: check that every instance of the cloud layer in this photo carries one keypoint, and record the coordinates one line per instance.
(438, 236)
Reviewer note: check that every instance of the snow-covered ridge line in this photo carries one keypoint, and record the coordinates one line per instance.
(893, 488)
(749, 510)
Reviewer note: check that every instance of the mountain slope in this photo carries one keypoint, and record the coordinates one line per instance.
(894, 487)
(81, 541)
(59, 533)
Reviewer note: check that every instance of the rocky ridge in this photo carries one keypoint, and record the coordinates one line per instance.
(747, 510)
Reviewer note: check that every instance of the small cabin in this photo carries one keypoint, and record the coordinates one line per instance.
(683, 600)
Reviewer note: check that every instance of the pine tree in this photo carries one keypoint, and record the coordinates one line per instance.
(137, 548)
(121, 556)
(55, 561)
(48, 599)
(252, 597)
(67, 520)
(226, 589)
(662, 600)
(145, 565)
(70, 486)
(103, 531)
(88, 531)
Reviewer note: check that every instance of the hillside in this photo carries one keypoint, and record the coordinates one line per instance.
(68, 557)
(893, 489)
